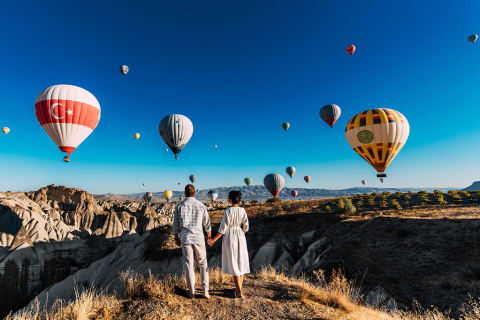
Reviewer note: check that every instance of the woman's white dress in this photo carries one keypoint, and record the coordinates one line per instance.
(234, 246)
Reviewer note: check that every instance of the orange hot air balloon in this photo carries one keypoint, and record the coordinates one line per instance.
(351, 49)
(66, 159)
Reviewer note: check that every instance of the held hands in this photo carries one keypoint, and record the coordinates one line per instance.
(177, 242)
(211, 242)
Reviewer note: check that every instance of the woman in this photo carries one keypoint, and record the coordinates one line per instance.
(234, 247)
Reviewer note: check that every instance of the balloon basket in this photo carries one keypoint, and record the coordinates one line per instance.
(381, 175)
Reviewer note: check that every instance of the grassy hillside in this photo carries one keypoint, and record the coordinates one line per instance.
(269, 295)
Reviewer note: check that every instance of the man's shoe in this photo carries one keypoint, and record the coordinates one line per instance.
(206, 295)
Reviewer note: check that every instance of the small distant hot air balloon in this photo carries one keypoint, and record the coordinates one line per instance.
(147, 197)
(364, 181)
(167, 194)
(285, 126)
(5, 130)
(330, 114)
(215, 146)
(166, 149)
(66, 159)
(248, 181)
(290, 171)
(136, 135)
(124, 69)
(307, 179)
(472, 38)
(176, 130)
(351, 49)
(68, 114)
(193, 178)
(179, 183)
(294, 193)
(274, 183)
(144, 184)
(378, 135)
(212, 195)
(381, 180)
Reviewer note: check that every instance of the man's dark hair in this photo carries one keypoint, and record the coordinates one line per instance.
(235, 196)
(189, 190)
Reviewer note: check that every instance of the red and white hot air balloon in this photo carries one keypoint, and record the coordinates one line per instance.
(68, 114)
(307, 179)
(351, 49)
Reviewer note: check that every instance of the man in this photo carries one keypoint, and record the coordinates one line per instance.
(189, 217)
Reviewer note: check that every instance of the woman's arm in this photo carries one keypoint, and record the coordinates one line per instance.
(221, 230)
(217, 236)
(245, 221)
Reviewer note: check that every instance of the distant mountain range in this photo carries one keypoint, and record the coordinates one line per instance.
(260, 193)
(474, 187)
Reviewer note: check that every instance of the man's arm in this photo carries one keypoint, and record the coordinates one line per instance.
(176, 226)
(206, 223)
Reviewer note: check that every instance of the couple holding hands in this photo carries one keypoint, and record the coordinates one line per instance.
(189, 218)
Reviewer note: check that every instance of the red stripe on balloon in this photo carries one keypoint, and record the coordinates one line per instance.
(82, 113)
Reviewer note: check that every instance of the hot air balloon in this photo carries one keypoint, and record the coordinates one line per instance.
(364, 181)
(167, 195)
(215, 146)
(248, 181)
(330, 114)
(68, 114)
(377, 135)
(66, 159)
(274, 183)
(124, 69)
(179, 183)
(136, 135)
(166, 149)
(176, 130)
(307, 179)
(5, 130)
(144, 184)
(381, 180)
(285, 126)
(147, 197)
(294, 193)
(351, 49)
(212, 195)
(472, 38)
(290, 171)
(192, 178)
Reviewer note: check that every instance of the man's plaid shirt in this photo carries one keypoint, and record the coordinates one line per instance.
(189, 217)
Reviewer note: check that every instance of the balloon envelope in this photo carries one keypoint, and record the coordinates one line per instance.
(381, 180)
(212, 195)
(148, 196)
(124, 69)
(274, 183)
(364, 181)
(176, 130)
(472, 38)
(351, 49)
(307, 179)
(68, 114)
(167, 194)
(136, 135)
(285, 126)
(5, 130)
(330, 114)
(192, 178)
(378, 135)
(291, 171)
(248, 181)
(294, 193)
(144, 184)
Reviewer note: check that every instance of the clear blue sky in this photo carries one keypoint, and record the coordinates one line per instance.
(238, 69)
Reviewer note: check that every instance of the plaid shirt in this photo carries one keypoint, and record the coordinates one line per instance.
(190, 215)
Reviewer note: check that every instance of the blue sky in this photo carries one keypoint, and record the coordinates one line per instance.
(238, 69)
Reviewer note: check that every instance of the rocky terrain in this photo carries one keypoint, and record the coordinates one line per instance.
(57, 241)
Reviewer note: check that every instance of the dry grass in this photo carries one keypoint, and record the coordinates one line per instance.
(148, 297)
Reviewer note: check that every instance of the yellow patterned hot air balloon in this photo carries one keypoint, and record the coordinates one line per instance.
(167, 194)
(5, 130)
(377, 135)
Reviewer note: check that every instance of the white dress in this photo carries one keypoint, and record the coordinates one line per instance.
(234, 246)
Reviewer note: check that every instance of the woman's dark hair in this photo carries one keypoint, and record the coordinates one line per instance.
(235, 196)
